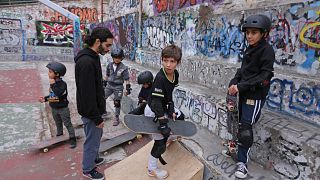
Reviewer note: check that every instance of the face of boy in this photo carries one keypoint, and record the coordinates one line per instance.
(51, 74)
(105, 47)
(253, 35)
(169, 65)
(117, 60)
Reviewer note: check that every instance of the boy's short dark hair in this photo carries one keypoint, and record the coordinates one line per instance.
(101, 33)
(172, 51)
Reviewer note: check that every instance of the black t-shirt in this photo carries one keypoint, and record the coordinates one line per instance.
(161, 93)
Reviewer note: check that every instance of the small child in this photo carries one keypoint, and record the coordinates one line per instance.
(58, 101)
(145, 79)
(117, 74)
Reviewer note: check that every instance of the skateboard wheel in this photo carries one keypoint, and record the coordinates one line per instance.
(130, 142)
(139, 136)
(45, 150)
(105, 153)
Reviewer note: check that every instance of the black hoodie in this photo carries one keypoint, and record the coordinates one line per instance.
(253, 78)
(90, 94)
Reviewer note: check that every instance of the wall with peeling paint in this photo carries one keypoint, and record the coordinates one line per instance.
(41, 33)
(209, 34)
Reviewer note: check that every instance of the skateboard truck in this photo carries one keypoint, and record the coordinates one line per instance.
(232, 146)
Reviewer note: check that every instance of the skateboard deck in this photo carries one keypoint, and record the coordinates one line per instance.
(232, 122)
(46, 144)
(146, 125)
(106, 145)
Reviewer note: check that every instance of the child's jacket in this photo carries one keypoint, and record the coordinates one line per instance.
(58, 94)
(118, 76)
(253, 78)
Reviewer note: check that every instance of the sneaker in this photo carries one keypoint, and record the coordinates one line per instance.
(73, 143)
(93, 174)
(158, 173)
(171, 139)
(226, 153)
(242, 171)
(99, 161)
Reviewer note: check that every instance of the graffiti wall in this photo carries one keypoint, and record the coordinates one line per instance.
(41, 27)
(116, 8)
(199, 32)
(56, 33)
(11, 39)
(125, 32)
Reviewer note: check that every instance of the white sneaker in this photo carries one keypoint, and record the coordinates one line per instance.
(242, 171)
(159, 173)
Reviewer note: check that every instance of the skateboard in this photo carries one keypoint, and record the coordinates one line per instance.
(232, 123)
(146, 125)
(110, 143)
(45, 145)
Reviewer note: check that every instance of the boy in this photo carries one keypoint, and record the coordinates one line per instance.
(90, 97)
(145, 79)
(252, 82)
(117, 73)
(58, 101)
(160, 106)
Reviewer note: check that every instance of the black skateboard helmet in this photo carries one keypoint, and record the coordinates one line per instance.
(57, 67)
(145, 77)
(117, 53)
(257, 21)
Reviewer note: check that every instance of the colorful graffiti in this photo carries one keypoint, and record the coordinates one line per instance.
(125, 32)
(56, 33)
(294, 34)
(160, 6)
(86, 15)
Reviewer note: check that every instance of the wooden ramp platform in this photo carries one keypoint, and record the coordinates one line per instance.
(181, 165)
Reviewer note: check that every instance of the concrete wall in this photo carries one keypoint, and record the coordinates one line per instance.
(213, 45)
(35, 32)
(209, 34)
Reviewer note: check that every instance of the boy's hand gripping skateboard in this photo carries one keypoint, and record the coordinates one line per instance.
(232, 123)
(146, 125)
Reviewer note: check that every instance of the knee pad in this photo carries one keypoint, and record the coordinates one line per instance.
(159, 147)
(245, 135)
(116, 103)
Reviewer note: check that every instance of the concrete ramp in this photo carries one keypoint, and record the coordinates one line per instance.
(181, 165)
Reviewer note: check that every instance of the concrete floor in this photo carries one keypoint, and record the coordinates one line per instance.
(23, 124)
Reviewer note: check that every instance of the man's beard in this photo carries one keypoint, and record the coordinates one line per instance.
(101, 50)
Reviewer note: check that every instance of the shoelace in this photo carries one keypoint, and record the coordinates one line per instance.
(242, 168)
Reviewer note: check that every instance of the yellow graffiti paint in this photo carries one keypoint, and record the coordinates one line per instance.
(303, 31)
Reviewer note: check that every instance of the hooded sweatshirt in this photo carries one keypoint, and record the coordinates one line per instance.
(90, 95)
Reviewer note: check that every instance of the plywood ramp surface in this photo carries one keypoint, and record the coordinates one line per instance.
(182, 165)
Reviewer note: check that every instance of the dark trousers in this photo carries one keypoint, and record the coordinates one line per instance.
(249, 112)
(62, 115)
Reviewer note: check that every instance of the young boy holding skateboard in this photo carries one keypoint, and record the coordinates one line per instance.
(58, 101)
(160, 105)
(252, 83)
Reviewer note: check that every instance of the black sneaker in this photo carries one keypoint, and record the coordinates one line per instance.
(93, 174)
(73, 143)
(99, 161)
(242, 171)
